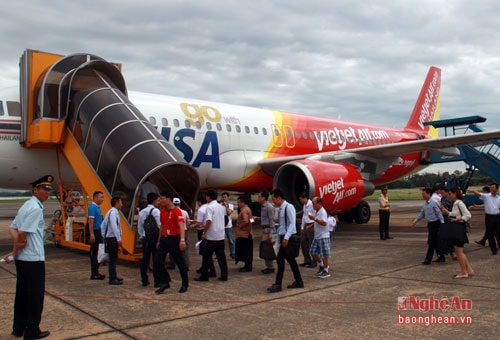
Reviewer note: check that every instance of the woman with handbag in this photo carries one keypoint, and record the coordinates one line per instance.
(460, 214)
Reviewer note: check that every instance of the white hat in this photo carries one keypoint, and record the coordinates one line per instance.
(176, 200)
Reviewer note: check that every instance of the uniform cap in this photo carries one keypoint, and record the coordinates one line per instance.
(43, 182)
(176, 200)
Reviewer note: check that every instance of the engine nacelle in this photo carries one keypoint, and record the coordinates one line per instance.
(339, 185)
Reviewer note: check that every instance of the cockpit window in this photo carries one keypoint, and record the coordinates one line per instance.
(1, 108)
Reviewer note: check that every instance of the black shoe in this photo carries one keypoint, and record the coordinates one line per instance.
(382, 238)
(116, 282)
(304, 264)
(389, 238)
(98, 277)
(244, 270)
(198, 270)
(156, 285)
(144, 284)
(440, 259)
(267, 271)
(119, 278)
(295, 284)
(183, 289)
(212, 275)
(425, 263)
(201, 279)
(222, 279)
(162, 289)
(311, 265)
(17, 334)
(481, 243)
(40, 335)
(494, 252)
(274, 288)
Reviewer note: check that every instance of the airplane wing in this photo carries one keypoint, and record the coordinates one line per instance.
(384, 155)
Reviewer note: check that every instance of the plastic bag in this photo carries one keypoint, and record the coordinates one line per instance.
(102, 256)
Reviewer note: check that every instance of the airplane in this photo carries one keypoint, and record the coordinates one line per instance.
(244, 149)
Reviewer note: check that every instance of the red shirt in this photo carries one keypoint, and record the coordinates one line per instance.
(170, 219)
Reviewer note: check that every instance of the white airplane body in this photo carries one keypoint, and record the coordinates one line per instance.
(243, 149)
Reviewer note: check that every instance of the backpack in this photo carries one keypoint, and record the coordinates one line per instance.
(151, 227)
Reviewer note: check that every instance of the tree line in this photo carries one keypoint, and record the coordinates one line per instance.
(420, 180)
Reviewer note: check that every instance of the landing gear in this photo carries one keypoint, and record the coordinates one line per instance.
(360, 214)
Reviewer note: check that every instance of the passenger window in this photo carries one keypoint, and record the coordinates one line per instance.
(198, 124)
(187, 124)
(228, 128)
(238, 128)
(311, 135)
(255, 130)
(209, 126)
(164, 122)
(152, 120)
(176, 123)
(264, 131)
(304, 135)
(219, 127)
(277, 132)
(297, 134)
(247, 129)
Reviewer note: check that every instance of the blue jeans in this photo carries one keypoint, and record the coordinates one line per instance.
(230, 241)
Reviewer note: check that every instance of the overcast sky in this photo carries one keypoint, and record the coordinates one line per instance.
(353, 60)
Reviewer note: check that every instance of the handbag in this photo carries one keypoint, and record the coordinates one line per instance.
(452, 231)
(468, 227)
(266, 250)
(294, 245)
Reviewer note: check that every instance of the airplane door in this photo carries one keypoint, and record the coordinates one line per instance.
(277, 135)
(289, 136)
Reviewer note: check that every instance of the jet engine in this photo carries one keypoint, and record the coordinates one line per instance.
(339, 185)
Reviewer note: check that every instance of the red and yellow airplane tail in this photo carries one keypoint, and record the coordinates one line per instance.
(427, 106)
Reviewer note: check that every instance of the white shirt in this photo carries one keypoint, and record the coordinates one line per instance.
(215, 214)
(201, 216)
(230, 219)
(143, 214)
(321, 231)
(491, 204)
(308, 208)
(186, 219)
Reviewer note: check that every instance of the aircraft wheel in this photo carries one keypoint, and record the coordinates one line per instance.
(362, 213)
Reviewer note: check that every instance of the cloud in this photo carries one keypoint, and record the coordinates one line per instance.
(356, 60)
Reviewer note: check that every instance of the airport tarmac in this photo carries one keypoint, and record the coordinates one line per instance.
(359, 300)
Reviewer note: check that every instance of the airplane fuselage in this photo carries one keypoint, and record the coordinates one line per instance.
(223, 142)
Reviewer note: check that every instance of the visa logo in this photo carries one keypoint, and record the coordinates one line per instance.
(208, 152)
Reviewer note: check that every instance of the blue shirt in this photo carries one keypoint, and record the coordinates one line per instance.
(110, 227)
(431, 212)
(96, 215)
(287, 227)
(30, 220)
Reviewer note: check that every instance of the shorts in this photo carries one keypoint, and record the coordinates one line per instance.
(320, 247)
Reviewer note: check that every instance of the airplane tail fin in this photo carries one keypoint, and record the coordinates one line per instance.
(427, 106)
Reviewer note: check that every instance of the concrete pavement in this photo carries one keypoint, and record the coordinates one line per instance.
(360, 300)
